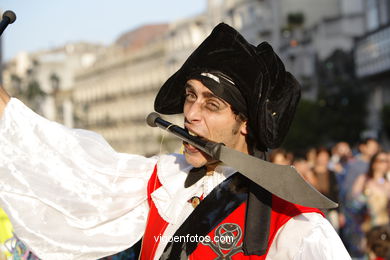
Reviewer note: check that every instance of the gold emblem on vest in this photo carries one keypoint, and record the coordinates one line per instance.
(194, 201)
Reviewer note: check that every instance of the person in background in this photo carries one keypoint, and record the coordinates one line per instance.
(341, 156)
(359, 165)
(351, 233)
(338, 163)
(327, 184)
(304, 169)
(373, 191)
(310, 156)
(378, 243)
(279, 156)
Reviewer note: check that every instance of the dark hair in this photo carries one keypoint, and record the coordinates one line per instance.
(239, 116)
(370, 173)
(322, 149)
(254, 147)
(366, 140)
(378, 241)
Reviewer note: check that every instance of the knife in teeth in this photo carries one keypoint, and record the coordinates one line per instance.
(281, 180)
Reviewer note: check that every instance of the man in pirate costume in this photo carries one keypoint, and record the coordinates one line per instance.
(70, 196)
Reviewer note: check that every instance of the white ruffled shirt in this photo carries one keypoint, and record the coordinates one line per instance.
(69, 195)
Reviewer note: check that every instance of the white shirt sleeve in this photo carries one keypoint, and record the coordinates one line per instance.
(305, 237)
(68, 194)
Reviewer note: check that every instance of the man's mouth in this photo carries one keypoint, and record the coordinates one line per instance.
(192, 133)
(189, 147)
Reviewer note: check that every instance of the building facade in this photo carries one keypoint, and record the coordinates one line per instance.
(302, 32)
(114, 96)
(42, 79)
(372, 59)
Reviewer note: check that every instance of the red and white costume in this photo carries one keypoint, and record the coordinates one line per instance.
(71, 196)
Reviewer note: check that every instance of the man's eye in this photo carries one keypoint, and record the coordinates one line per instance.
(213, 106)
(190, 97)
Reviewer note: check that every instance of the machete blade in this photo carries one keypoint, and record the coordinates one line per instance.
(282, 180)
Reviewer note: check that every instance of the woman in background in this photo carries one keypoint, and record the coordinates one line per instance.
(370, 199)
(373, 189)
(327, 184)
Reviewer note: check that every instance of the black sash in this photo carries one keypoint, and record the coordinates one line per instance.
(215, 207)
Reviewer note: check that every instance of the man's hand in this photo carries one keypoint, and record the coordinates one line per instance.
(4, 98)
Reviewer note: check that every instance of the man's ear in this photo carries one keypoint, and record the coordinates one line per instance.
(244, 128)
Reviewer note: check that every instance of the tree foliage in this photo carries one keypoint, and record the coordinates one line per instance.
(339, 112)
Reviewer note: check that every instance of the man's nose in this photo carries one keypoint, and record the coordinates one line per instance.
(193, 112)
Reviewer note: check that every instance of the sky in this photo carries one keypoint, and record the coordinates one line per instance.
(43, 24)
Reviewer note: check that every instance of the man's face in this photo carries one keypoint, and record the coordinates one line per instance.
(210, 117)
(370, 148)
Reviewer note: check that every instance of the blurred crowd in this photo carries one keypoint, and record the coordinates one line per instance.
(359, 180)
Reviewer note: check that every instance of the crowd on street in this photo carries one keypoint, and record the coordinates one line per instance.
(359, 180)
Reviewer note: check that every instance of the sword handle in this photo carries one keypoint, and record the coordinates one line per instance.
(7, 18)
(209, 147)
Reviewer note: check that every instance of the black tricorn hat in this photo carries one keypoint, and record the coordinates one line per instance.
(271, 93)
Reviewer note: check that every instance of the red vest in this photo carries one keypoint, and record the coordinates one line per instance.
(232, 227)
